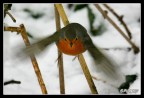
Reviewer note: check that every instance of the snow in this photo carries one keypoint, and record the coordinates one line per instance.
(75, 81)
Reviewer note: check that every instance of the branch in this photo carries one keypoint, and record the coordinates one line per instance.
(120, 18)
(60, 56)
(87, 74)
(13, 29)
(33, 60)
(81, 58)
(14, 20)
(12, 82)
(22, 30)
(136, 49)
(62, 14)
(7, 7)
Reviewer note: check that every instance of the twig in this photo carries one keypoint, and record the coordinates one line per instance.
(12, 29)
(33, 60)
(87, 74)
(7, 7)
(22, 30)
(136, 49)
(60, 56)
(12, 82)
(14, 20)
(81, 58)
(62, 14)
(120, 18)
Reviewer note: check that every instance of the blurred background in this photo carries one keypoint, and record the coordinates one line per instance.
(39, 20)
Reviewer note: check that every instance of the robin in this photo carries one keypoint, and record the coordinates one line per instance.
(73, 39)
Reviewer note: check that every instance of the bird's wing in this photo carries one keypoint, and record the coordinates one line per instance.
(102, 62)
(42, 44)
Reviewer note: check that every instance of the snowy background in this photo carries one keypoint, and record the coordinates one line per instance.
(75, 82)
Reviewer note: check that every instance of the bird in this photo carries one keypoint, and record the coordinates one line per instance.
(73, 40)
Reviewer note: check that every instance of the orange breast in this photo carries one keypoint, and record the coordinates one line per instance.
(65, 47)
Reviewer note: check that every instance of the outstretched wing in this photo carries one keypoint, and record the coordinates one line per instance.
(42, 44)
(102, 62)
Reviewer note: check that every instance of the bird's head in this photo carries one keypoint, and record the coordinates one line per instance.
(70, 36)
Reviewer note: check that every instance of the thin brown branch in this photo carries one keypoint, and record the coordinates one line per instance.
(14, 20)
(62, 14)
(87, 74)
(135, 48)
(33, 60)
(60, 56)
(12, 82)
(81, 58)
(120, 18)
(12, 29)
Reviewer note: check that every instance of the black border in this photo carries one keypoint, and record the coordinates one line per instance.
(100, 1)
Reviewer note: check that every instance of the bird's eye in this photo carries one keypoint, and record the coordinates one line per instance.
(65, 39)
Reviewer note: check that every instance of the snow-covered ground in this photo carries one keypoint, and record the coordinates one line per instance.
(75, 82)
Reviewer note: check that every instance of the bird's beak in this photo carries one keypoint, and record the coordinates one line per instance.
(71, 44)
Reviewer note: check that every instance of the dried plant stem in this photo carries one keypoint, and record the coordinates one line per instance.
(81, 58)
(87, 74)
(22, 30)
(60, 57)
(136, 49)
(14, 20)
(12, 29)
(120, 18)
(62, 14)
(33, 60)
